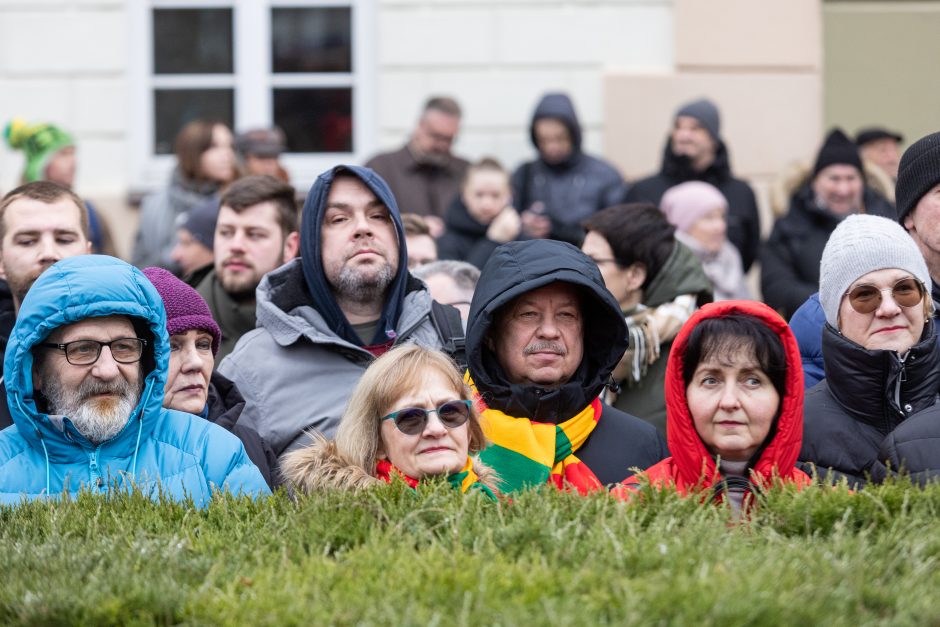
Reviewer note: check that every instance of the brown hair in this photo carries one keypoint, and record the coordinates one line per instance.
(413, 224)
(394, 374)
(251, 190)
(486, 164)
(194, 139)
(443, 104)
(45, 192)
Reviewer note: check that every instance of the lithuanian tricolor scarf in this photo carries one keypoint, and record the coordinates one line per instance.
(525, 453)
(464, 480)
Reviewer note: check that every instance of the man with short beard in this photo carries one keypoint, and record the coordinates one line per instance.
(543, 337)
(255, 233)
(86, 368)
(323, 318)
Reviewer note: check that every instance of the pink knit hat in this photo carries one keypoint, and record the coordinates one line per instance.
(185, 308)
(685, 203)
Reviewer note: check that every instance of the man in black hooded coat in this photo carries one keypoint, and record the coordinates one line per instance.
(619, 442)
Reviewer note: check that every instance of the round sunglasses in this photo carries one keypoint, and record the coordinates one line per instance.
(867, 298)
(413, 420)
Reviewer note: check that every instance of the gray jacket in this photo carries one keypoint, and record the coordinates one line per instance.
(294, 372)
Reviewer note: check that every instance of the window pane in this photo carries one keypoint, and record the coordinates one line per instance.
(311, 40)
(173, 108)
(192, 41)
(315, 120)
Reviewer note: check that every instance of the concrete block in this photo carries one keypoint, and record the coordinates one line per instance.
(102, 165)
(743, 33)
(87, 41)
(37, 100)
(401, 94)
(433, 37)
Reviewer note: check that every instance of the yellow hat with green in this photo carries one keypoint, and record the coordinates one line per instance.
(39, 142)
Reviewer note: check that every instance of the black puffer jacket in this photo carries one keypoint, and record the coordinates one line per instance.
(743, 220)
(224, 406)
(865, 397)
(464, 238)
(619, 441)
(790, 258)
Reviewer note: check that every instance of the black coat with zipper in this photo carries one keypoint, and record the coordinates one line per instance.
(867, 395)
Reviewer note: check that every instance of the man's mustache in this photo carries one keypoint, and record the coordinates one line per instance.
(545, 347)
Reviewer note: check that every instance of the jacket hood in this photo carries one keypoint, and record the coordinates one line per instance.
(519, 267)
(559, 107)
(681, 274)
(689, 453)
(680, 168)
(876, 386)
(314, 208)
(74, 289)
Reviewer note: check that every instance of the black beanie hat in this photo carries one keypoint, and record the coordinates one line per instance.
(837, 149)
(918, 171)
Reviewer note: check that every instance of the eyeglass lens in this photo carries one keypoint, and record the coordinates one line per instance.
(867, 298)
(412, 420)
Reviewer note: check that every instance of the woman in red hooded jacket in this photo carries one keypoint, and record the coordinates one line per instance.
(734, 405)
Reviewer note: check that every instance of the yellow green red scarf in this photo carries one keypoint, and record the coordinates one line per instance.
(464, 480)
(525, 453)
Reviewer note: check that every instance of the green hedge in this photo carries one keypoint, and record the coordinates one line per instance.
(392, 556)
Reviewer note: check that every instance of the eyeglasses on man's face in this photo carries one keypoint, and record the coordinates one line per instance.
(124, 350)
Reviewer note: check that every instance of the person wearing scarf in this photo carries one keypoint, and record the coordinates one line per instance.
(734, 406)
(543, 335)
(374, 445)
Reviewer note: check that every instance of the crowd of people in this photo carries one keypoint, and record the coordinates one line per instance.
(426, 316)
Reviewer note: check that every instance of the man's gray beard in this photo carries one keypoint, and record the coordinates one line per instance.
(353, 286)
(97, 420)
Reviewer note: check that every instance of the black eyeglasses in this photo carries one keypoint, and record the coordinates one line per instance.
(413, 420)
(867, 298)
(124, 350)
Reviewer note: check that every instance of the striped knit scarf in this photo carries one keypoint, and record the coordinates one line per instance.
(464, 480)
(527, 453)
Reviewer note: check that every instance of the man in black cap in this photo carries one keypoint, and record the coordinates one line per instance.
(259, 151)
(835, 189)
(918, 197)
(881, 148)
(695, 151)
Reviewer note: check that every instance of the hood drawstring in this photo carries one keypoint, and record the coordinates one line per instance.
(41, 441)
(140, 430)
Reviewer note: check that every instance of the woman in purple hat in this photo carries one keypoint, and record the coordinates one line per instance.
(192, 385)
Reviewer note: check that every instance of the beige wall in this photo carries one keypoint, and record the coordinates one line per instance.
(881, 62)
(760, 62)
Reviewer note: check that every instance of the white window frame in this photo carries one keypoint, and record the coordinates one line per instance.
(253, 84)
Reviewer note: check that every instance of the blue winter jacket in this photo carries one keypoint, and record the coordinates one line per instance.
(807, 325)
(158, 450)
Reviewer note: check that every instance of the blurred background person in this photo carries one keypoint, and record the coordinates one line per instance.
(205, 157)
(882, 148)
(51, 155)
(424, 174)
(563, 185)
(195, 235)
(699, 213)
(451, 283)
(658, 283)
(481, 217)
(834, 189)
(422, 249)
(259, 151)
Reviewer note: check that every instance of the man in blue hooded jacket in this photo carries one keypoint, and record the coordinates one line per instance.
(85, 370)
(323, 318)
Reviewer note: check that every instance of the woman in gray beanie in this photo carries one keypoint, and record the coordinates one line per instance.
(880, 351)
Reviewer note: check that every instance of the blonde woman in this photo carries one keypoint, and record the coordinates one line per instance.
(411, 415)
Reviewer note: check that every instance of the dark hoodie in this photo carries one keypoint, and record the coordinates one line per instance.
(570, 191)
(319, 287)
(619, 442)
(464, 238)
(743, 220)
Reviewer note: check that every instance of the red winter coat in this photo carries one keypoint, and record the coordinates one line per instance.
(691, 468)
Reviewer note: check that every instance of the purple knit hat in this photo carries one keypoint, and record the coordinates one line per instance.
(185, 308)
(685, 203)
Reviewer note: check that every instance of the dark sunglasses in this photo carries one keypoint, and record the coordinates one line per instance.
(413, 420)
(867, 298)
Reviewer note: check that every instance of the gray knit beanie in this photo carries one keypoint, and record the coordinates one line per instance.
(863, 244)
(918, 172)
(706, 113)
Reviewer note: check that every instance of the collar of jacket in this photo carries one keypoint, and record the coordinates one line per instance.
(679, 167)
(875, 386)
(681, 274)
(458, 219)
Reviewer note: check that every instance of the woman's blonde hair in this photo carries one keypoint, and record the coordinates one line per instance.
(398, 372)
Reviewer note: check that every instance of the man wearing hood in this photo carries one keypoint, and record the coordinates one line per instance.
(835, 189)
(543, 336)
(695, 151)
(323, 318)
(563, 186)
(86, 367)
